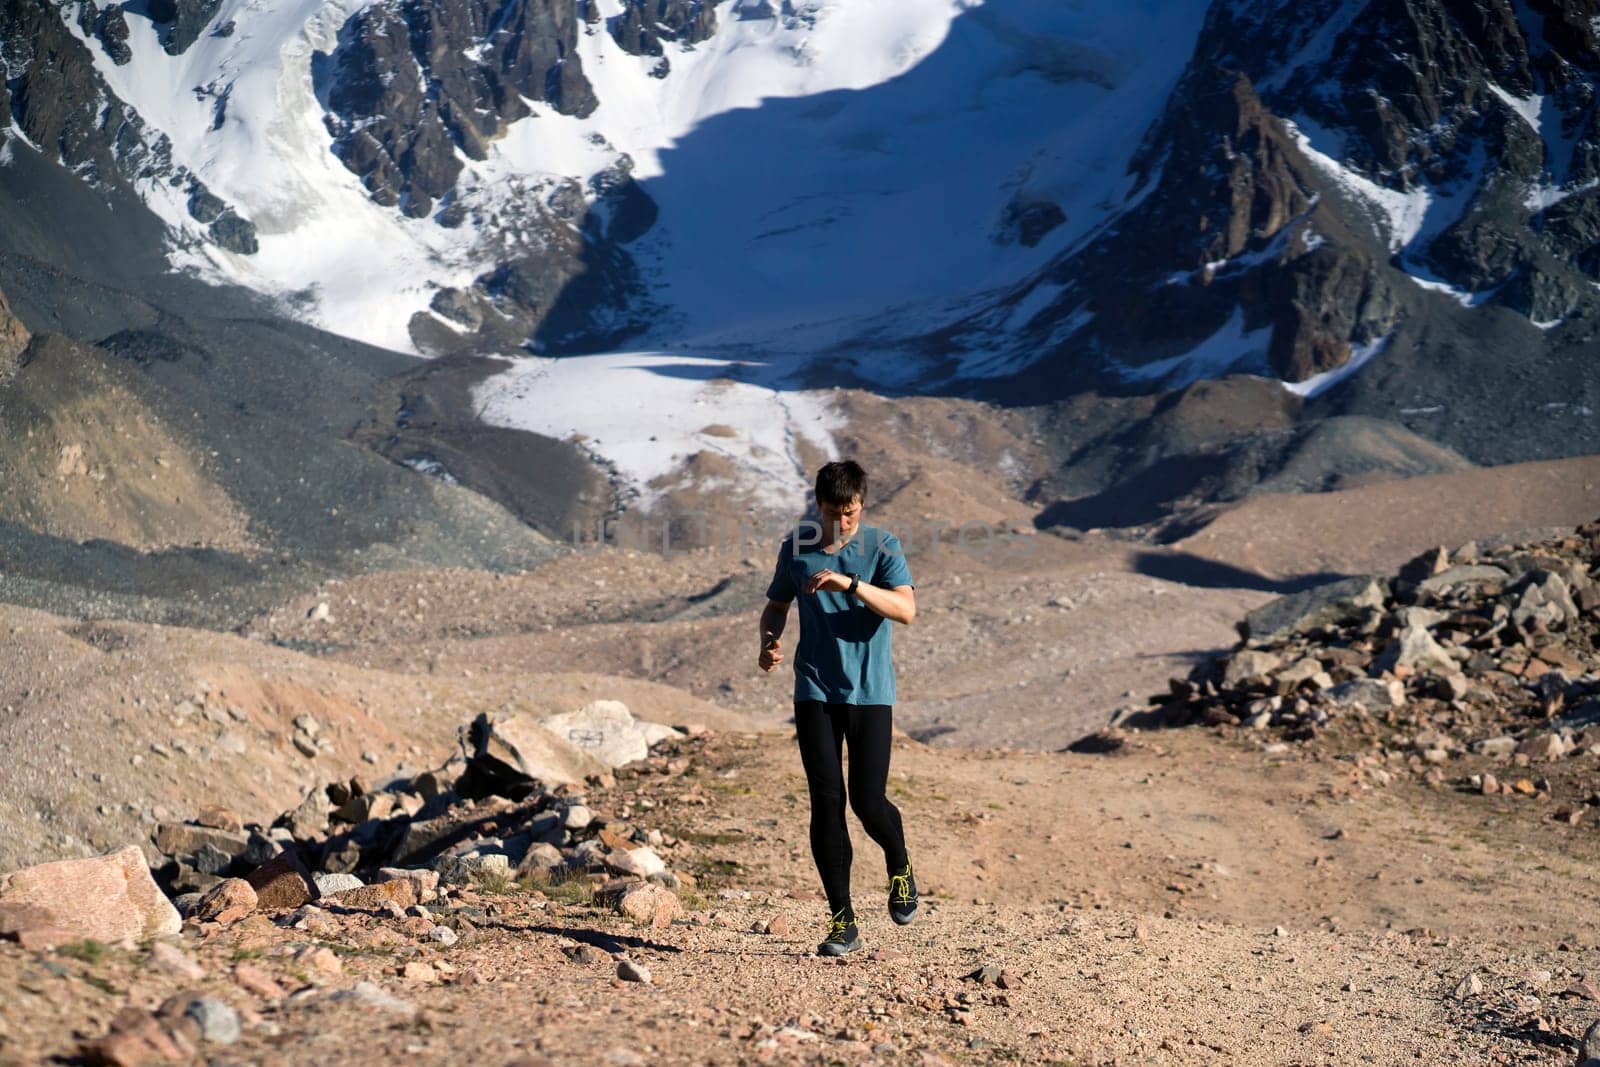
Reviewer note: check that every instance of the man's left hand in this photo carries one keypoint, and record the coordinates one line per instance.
(826, 579)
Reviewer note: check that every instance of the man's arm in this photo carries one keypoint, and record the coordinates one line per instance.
(898, 604)
(774, 617)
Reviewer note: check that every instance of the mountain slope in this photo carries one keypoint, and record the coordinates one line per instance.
(1384, 204)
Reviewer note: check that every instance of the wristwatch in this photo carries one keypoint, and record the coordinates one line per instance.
(855, 580)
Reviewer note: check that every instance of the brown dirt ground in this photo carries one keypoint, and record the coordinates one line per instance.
(1192, 902)
(1045, 862)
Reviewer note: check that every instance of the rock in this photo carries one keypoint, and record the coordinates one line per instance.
(310, 819)
(641, 862)
(254, 980)
(32, 927)
(460, 870)
(629, 971)
(320, 959)
(1425, 566)
(228, 901)
(1489, 785)
(170, 959)
(1542, 596)
(217, 817)
(328, 884)
(1453, 686)
(219, 1023)
(419, 972)
(1495, 746)
(426, 882)
(1544, 746)
(1473, 574)
(1420, 617)
(260, 850)
(541, 857)
(401, 892)
(1303, 670)
(1325, 605)
(513, 756)
(577, 817)
(607, 730)
(282, 883)
(442, 935)
(1470, 986)
(988, 974)
(1371, 694)
(646, 903)
(1589, 1048)
(136, 1038)
(371, 995)
(183, 839)
(584, 954)
(777, 926)
(1414, 648)
(109, 898)
(1247, 664)
(314, 920)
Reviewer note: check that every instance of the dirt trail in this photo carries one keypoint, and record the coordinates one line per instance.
(1191, 899)
(1186, 903)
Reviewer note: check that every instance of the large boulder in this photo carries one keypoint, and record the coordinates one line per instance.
(109, 898)
(607, 730)
(1326, 605)
(514, 755)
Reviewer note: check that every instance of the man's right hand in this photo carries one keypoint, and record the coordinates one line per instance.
(770, 656)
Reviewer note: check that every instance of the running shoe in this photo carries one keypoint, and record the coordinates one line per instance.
(842, 936)
(903, 896)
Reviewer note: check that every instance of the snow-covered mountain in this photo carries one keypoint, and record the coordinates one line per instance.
(1393, 206)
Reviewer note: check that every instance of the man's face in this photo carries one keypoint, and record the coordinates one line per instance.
(842, 519)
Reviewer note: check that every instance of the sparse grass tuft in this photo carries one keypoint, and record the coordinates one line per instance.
(498, 884)
(103, 985)
(570, 888)
(87, 950)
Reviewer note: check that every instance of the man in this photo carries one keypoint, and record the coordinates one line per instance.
(852, 581)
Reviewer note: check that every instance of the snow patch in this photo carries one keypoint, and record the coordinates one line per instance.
(1231, 349)
(1401, 213)
(648, 412)
(1528, 107)
(1360, 356)
(1542, 197)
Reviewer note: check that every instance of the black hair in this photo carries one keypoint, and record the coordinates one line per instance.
(840, 482)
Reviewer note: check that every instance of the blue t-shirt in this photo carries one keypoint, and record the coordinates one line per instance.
(846, 654)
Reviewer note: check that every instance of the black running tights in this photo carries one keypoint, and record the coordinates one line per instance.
(824, 730)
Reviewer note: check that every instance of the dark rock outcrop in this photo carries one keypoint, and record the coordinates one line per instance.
(59, 100)
(411, 82)
(181, 21)
(14, 337)
(644, 25)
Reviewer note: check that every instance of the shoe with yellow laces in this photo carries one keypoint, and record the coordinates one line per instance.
(842, 936)
(903, 895)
